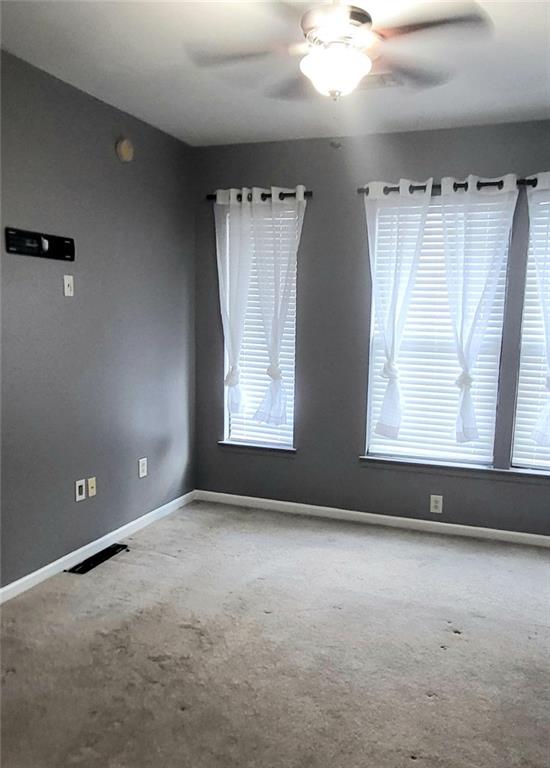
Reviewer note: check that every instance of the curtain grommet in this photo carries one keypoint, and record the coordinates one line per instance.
(498, 184)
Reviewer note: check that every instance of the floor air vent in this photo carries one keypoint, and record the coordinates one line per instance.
(98, 558)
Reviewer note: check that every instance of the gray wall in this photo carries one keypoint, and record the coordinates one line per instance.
(93, 382)
(90, 384)
(332, 330)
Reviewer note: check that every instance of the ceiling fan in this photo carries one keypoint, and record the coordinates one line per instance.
(341, 47)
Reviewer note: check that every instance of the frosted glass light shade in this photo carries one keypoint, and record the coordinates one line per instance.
(335, 70)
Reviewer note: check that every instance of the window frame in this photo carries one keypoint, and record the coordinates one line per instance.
(519, 468)
(508, 372)
(239, 443)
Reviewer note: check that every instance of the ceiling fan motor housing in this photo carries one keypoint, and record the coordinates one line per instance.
(326, 23)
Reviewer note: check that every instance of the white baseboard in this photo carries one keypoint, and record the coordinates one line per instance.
(272, 505)
(73, 558)
(409, 523)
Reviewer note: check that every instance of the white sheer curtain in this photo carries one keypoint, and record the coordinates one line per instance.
(276, 227)
(234, 247)
(539, 217)
(395, 224)
(477, 221)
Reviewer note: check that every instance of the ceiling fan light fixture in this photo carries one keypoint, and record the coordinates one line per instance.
(335, 69)
(333, 24)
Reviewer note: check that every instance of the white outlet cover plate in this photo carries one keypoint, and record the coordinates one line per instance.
(436, 505)
(80, 490)
(142, 467)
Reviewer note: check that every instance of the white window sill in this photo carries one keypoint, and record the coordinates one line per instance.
(447, 468)
(270, 448)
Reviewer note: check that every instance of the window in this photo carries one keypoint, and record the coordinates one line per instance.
(257, 237)
(427, 359)
(532, 433)
(243, 427)
(428, 368)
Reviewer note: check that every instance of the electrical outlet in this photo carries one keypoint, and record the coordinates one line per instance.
(80, 490)
(142, 467)
(92, 486)
(436, 505)
(68, 285)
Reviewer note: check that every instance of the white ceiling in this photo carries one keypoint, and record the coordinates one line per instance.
(134, 55)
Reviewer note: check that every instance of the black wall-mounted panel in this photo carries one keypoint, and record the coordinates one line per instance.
(38, 244)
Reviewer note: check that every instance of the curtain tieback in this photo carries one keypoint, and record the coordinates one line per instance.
(232, 378)
(464, 381)
(274, 372)
(390, 370)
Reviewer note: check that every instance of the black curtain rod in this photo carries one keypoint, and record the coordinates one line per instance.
(456, 185)
(266, 195)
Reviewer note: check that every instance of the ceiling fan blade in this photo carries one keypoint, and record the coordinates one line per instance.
(409, 74)
(470, 16)
(295, 88)
(208, 59)
(375, 80)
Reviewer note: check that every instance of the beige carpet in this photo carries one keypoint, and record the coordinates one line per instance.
(239, 639)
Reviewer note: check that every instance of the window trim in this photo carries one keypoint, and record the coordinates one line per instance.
(278, 449)
(450, 468)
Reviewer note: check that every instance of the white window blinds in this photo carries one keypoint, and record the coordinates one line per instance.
(266, 359)
(243, 427)
(429, 369)
(532, 424)
(396, 223)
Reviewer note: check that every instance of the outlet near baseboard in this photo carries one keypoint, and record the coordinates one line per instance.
(80, 490)
(92, 486)
(436, 505)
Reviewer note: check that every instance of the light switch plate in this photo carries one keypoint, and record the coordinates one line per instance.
(68, 285)
(92, 486)
(142, 467)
